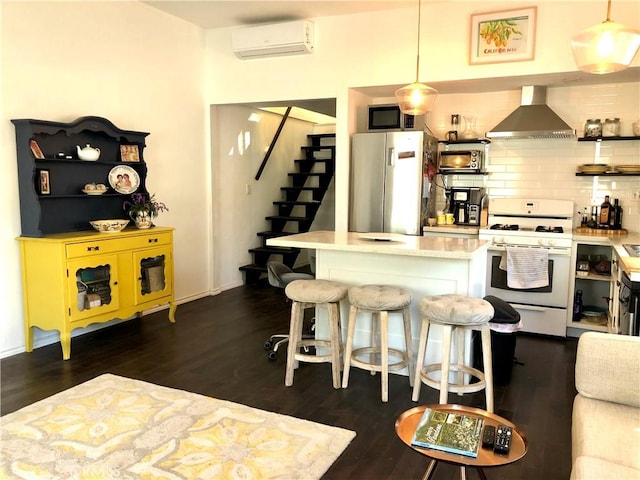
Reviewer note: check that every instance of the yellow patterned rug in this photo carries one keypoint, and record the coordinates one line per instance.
(118, 428)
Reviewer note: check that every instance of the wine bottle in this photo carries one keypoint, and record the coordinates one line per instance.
(605, 211)
(613, 214)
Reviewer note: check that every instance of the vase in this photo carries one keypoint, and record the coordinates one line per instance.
(141, 219)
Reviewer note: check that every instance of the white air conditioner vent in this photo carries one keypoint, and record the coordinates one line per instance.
(260, 41)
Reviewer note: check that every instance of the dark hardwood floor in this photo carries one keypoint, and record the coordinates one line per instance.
(215, 348)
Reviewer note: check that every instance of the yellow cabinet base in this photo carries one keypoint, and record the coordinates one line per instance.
(74, 280)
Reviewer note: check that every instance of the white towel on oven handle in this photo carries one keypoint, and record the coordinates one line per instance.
(527, 267)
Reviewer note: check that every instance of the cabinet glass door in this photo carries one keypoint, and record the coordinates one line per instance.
(93, 287)
(153, 274)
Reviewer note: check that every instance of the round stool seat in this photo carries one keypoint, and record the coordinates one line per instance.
(315, 291)
(454, 309)
(379, 297)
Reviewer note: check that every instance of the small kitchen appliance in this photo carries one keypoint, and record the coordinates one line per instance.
(461, 161)
(389, 118)
(531, 224)
(468, 205)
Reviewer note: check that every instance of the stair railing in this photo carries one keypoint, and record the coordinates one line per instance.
(273, 143)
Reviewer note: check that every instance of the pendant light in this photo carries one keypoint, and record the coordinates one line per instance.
(606, 47)
(416, 98)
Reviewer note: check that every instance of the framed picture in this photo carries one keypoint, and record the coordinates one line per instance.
(43, 182)
(35, 149)
(129, 153)
(505, 36)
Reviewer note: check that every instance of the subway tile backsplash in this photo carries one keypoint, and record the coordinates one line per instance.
(546, 168)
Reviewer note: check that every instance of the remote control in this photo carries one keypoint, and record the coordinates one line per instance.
(488, 436)
(503, 439)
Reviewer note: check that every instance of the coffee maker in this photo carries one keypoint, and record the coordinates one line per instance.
(468, 205)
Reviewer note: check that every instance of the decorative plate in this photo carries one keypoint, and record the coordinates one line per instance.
(628, 168)
(124, 179)
(94, 192)
(593, 168)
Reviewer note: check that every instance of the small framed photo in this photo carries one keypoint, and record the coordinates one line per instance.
(129, 153)
(43, 182)
(504, 36)
(35, 149)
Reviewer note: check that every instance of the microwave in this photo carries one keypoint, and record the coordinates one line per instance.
(390, 118)
(461, 161)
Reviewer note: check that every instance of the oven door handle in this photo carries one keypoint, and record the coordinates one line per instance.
(529, 307)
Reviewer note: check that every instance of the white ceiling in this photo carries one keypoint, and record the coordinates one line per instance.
(219, 14)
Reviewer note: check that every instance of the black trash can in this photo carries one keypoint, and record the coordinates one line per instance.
(503, 342)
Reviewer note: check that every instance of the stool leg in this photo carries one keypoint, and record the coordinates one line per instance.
(375, 336)
(408, 341)
(422, 348)
(488, 367)
(351, 327)
(334, 328)
(460, 335)
(295, 334)
(384, 353)
(446, 361)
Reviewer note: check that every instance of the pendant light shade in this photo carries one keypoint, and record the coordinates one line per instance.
(605, 48)
(416, 98)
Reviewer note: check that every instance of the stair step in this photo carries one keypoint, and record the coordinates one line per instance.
(321, 135)
(287, 218)
(271, 234)
(275, 250)
(316, 148)
(252, 267)
(299, 189)
(294, 203)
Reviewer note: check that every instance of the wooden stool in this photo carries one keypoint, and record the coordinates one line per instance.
(456, 314)
(380, 300)
(307, 294)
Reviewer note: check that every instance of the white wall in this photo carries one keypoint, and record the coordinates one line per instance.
(140, 68)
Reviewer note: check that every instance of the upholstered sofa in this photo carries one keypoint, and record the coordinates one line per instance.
(605, 429)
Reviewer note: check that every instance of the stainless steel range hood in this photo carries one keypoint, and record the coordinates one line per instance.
(532, 119)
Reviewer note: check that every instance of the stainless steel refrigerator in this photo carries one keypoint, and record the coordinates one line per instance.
(387, 190)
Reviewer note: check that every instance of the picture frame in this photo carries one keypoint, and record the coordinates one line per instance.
(35, 149)
(129, 153)
(503, 36)
(43, 181)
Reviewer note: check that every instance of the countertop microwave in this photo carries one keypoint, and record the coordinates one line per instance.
(389, 118)
(461, 161)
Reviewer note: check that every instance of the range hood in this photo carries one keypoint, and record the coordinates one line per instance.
(532, 119)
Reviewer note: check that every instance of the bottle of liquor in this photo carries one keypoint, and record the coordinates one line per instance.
(577, 306)
(617, 222)
(612, 214)
(605, 213)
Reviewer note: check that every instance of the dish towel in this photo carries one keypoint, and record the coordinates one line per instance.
(527, 267)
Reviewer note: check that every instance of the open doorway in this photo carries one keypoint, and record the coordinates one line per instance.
(240, 136)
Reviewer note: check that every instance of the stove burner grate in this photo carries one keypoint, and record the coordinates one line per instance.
(500, 226)
(543, 228)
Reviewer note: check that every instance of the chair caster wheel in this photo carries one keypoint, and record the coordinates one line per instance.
(272, 355)
(268, 344)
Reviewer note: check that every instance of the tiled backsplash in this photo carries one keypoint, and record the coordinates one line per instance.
(546, 168)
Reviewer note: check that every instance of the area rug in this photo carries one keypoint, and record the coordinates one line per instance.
(118, 428)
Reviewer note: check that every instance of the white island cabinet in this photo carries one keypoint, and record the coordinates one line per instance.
(423, 265)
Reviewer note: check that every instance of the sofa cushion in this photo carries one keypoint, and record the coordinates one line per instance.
(607, 431)
(589, 468)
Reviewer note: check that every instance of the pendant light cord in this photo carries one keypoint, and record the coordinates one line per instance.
(418, 55)
(609, 11)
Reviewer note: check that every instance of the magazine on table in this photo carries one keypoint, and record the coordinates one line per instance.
(449, 432)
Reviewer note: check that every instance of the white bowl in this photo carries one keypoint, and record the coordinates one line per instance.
(109, 226)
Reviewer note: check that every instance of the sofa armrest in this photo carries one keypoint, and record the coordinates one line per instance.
(608, 368)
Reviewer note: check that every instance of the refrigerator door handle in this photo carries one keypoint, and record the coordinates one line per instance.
(391, 160)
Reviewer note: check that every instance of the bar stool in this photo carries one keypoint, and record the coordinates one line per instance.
(309, 294)
(457, 315)
(380, 301)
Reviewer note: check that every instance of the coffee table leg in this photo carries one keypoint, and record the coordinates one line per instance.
(430, 470)
(481, 474)
(463, 473)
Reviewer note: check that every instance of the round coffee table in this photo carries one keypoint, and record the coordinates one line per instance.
(407, 423)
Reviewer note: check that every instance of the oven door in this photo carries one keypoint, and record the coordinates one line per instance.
(542, 310)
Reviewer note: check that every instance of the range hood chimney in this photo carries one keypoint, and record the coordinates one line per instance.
(532, 119)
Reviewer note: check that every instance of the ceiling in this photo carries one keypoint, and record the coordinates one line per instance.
(231, 13)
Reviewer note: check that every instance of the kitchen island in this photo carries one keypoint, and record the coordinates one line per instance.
(423, 265)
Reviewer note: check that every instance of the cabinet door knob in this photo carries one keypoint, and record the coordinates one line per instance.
(95, 249)
(152, 240)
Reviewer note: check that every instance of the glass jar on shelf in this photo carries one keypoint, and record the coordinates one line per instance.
(593, 128)
(611, 127)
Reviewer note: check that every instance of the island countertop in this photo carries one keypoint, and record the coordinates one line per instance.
(385, 243)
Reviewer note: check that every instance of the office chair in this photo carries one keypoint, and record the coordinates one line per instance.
(280, 276)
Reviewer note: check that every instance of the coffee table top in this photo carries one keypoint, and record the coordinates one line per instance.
(407, 423)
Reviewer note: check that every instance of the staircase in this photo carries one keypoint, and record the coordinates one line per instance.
(298, 207)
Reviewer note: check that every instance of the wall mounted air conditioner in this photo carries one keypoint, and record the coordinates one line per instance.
(260, 41)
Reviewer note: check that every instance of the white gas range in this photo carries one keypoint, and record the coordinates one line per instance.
(531, 223)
